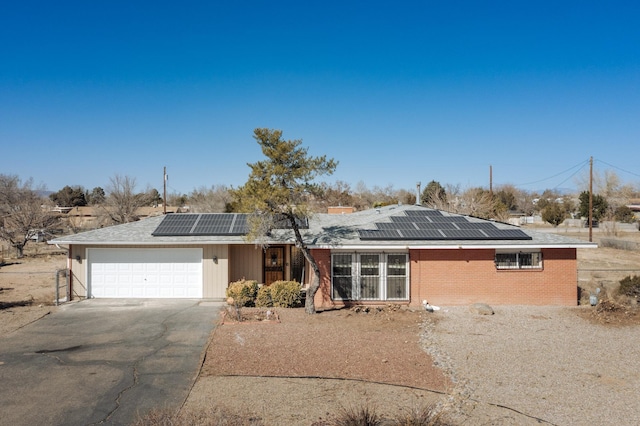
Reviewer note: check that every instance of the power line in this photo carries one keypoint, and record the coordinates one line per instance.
(581, 165)
(618, 168)
(575, 173)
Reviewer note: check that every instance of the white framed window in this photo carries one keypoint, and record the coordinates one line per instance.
(518, 260)
(369, 276)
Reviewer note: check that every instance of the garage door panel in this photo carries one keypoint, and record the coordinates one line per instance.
(152, 273)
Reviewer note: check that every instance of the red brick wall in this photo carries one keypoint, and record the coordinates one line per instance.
(465, 276)
(460, 277)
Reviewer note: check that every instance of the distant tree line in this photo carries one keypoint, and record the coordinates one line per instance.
(25, 212)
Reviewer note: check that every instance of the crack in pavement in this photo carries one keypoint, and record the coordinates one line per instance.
(135, 366)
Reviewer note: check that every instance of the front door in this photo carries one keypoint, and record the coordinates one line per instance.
(273, 265)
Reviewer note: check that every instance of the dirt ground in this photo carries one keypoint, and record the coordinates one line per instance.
(27, 286)
(300, 369)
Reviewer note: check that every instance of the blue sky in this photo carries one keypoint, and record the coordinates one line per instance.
(397, 92)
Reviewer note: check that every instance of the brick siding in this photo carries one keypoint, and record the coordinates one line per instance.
(465, 276)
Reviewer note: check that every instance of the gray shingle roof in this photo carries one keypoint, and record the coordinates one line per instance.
(325, 230)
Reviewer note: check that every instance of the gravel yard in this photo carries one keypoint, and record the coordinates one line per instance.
(544, 363)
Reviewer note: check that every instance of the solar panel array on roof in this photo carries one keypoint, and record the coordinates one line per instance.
(202, 224)
(433, 225)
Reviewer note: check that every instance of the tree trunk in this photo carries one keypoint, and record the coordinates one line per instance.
(309, 303)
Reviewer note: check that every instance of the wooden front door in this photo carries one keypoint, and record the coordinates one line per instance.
(273, 265)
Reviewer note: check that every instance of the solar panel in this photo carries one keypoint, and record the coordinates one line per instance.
(422, 234)
(399, 225)
(423, 213)
(375, 234)
(439, 225)
(449, 219)
(176, 224)
(464, 234)
(476, 225)
(507, 234)
(213, 224)
(411, 219)
(239, 225)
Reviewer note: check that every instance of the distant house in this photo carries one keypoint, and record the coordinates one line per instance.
(395, 254)
(88, 217)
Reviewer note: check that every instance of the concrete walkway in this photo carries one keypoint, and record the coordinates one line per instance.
(103, 361)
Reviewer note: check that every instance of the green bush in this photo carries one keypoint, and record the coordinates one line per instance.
(630, 286)
(285, 294)
(243, 292)
(263, 300)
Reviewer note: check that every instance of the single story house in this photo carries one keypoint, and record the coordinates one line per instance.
(394, 254)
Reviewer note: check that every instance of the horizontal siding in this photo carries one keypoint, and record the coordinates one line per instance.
(246, 262)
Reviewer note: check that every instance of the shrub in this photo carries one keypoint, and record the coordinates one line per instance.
(285, 294)
(427, 415)
(243, 292)
(630, 286)
(263, 300)
(363, 416)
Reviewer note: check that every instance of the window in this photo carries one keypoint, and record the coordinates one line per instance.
(396, 276)
(342, 276)
(519, 260)
(369, 276)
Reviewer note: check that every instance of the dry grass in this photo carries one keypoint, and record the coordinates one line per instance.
(214, 416)
(365, 415)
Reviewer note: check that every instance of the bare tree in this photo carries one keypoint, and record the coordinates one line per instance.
(122, 202)
(609, 185)
(475, 202)
(25, 213)
(215, 199)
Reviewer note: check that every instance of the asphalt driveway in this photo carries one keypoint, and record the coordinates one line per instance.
(103, 361)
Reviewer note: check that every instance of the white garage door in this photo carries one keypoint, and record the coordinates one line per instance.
(139, 273)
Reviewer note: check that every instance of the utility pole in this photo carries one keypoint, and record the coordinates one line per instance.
(591, 199)
(164, 192)
(491, 180)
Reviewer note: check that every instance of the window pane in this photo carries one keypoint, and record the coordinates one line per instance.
(342, 264)
(297, 264)
(396, 276)
(342, 279)
(525, 260)
(342, 288)
(396, 288)
(536, 259)
(369, 276)
(370, 264)
(369, 287)
(397, 264)
(507, 260)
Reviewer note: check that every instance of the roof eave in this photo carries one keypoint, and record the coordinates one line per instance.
(451, 246)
